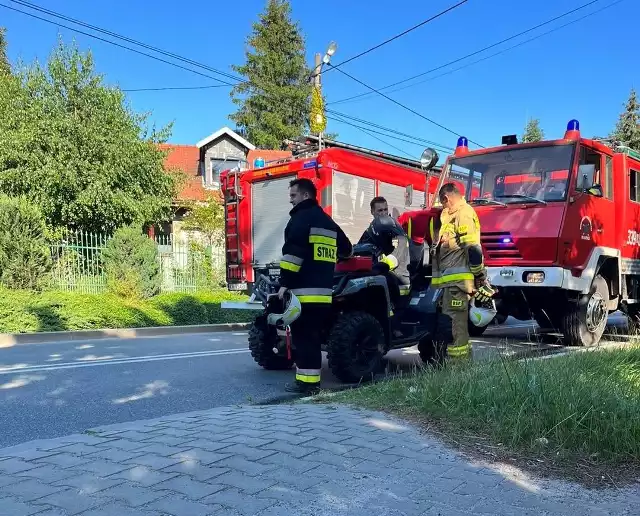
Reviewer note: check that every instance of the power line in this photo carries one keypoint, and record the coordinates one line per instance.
(424, 22)
(384, 134)
(369, 132)
(176, 88)
(175, 56)
(421, 141)
(403, 106)
(457, 60)
(449, 72)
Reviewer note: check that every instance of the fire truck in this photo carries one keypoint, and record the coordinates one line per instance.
(347, 178)
(560, 228)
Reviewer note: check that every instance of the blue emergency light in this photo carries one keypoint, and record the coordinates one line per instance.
(462, 147)
(506, 240)
(573, 130)
(258, 162)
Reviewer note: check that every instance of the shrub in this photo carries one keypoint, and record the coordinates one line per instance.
(24, 311)
(25, 257)
(131, 264)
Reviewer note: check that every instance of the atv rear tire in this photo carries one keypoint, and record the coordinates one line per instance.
(584, 322)
(355, 347)
(262, 339)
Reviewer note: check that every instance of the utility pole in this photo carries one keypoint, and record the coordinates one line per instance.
(318, 119)
(318, 84)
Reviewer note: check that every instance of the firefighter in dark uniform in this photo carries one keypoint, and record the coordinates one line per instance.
(312, 244)
(388, 235)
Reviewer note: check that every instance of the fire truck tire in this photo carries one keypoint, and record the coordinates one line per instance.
(549, 319)
(355, 347)
(633, 319)
(584, 322)
(262, 339)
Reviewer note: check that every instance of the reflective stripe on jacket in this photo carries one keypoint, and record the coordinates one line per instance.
(312, 244)
(459, 231)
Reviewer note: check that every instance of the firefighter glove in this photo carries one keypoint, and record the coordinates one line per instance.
(484, 293)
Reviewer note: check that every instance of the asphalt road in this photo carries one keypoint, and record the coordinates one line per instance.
(52, 390)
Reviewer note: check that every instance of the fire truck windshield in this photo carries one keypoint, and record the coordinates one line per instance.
(534, 174)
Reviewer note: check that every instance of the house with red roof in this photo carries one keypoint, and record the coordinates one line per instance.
(201, 165)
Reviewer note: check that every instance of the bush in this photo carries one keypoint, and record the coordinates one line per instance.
(25, 257)
(27, 312)
(132, 265)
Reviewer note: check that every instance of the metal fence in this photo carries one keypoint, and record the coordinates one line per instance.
(185, 265)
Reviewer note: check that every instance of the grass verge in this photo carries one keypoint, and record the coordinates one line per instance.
(26, 312)
(574, 415)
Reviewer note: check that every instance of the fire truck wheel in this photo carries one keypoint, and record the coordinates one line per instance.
(262, 339)
(633, 319)
(355, 347)
(584, 322)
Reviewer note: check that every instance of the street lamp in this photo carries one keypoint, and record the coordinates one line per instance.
(331, 49)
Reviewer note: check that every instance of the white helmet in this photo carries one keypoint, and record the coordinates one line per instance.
(481, 316)
(292, 310)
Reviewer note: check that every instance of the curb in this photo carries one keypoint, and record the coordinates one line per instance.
(8, 340)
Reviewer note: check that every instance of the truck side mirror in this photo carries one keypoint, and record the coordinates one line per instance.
(586, 177)
(408, 195)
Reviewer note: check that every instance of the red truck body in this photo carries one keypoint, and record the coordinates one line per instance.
(347, 178)
(555, 215)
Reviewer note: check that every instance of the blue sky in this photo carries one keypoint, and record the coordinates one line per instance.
(582, 71)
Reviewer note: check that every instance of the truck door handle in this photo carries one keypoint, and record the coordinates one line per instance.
(599, 230)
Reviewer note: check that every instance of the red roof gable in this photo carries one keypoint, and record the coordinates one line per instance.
(267, 155)
(186, 159)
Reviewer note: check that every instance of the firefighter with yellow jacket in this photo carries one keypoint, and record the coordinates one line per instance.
(458, 267)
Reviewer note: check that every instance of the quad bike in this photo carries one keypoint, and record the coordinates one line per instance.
(364, 325)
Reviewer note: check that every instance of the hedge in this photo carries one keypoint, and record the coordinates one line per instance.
(26, 312)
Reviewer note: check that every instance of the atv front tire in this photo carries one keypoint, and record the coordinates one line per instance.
(262, 339)
(355, 347)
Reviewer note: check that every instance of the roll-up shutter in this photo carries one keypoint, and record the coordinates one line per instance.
(395, 198)
(269, 217)
(351, 196)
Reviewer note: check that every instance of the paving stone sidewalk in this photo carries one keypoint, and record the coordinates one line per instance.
(297, 459)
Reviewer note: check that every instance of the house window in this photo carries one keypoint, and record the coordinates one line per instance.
(634, 185)
(215, 168)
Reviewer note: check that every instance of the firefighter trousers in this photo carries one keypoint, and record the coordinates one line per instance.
(455, 305)
(306, 337)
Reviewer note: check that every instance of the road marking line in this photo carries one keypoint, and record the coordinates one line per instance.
(120, 361)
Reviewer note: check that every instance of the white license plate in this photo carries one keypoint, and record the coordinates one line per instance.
(506, 273)
(274, 272)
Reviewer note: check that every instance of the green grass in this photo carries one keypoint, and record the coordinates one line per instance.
(579, 407)
(25, 312)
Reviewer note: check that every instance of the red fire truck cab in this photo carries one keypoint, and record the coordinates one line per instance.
(347, 178)
(560, 229)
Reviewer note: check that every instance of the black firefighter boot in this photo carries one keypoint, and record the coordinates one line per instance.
(302, 388)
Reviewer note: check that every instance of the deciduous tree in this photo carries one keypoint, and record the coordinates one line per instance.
(73, 147)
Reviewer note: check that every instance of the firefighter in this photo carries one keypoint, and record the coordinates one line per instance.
(458, 267)
(387, 234)
(312, 244)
